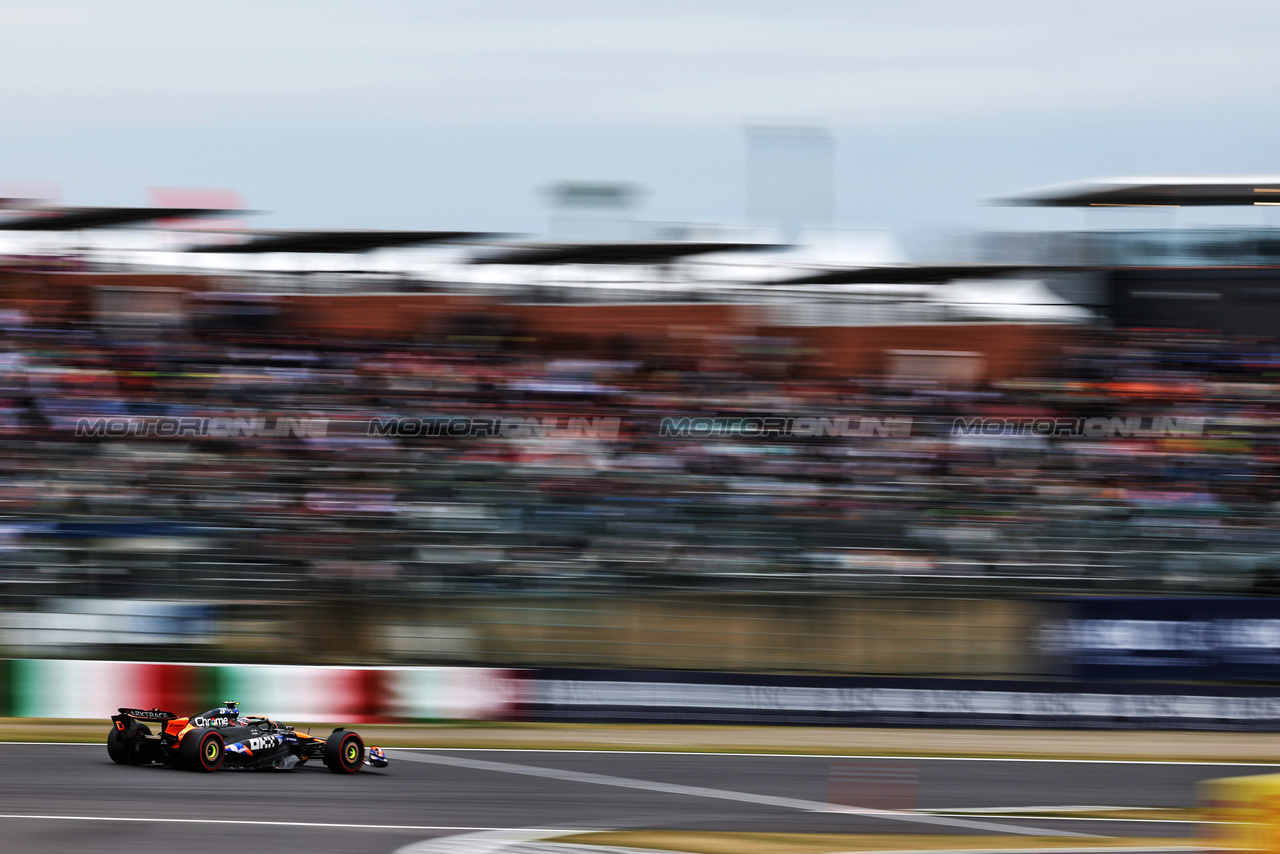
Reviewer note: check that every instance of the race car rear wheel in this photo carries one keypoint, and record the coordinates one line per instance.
(344, 752)
(122, 744)
(117, 749)
(202, 750)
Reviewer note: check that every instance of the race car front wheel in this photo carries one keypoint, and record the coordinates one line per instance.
(202, 750)
(344, 752)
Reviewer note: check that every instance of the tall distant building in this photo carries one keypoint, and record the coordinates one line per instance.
(790, 177)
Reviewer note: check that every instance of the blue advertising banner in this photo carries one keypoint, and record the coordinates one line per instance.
(1201, 639)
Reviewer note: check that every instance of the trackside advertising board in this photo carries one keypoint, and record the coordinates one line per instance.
(73, 688)
(1200, 639)
(736, 698)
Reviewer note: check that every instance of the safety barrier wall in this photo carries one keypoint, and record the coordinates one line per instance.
(737, 698)
(49, 688)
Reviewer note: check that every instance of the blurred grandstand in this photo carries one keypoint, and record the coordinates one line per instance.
(197, 462)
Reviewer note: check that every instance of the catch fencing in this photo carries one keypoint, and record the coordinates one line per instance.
(814, 632)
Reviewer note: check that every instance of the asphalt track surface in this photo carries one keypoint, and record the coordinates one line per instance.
(71, 797)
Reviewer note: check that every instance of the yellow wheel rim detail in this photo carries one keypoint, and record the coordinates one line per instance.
(352, 752)
(211, 751)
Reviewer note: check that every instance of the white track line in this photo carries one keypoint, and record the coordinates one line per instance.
(1047, 808)
(269, 823)
(894, 757)
(490, 842)
(1090, 818)
(726, 795)
(534, 841)
(1016, 812)
(1081, 850)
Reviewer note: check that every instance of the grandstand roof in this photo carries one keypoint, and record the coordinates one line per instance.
(1156, 191)
(611, 252)
(908, 273)
(337, 241)
(80, 218)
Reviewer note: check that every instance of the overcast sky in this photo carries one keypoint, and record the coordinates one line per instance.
(452, 115)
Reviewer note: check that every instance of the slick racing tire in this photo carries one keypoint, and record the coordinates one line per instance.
(117, 748)
(202, 750)
(122, 744)
(344, 752)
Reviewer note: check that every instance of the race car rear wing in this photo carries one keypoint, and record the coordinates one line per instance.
(148, 714)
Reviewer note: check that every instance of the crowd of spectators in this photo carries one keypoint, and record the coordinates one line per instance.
(344, 510)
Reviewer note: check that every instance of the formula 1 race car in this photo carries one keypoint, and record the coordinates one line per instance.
(224, 738)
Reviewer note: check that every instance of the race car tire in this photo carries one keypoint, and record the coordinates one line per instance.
(122, 745)
(117, 749)
(202, 750)
(344, 752)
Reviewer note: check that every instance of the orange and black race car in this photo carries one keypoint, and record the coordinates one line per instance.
(224, 738)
